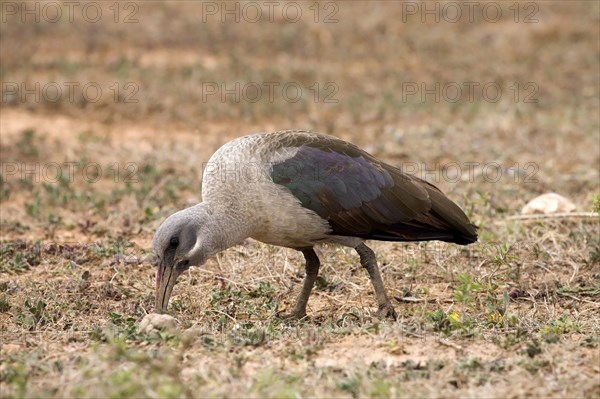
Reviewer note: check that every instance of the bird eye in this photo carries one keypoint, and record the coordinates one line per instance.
(174, 242)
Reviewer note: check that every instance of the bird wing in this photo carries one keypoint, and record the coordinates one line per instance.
(363, 197)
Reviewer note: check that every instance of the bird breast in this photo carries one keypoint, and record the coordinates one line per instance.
(237, 179)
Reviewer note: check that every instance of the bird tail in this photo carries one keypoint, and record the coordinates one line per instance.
(445, 221)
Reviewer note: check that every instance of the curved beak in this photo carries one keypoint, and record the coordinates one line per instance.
(165, 281)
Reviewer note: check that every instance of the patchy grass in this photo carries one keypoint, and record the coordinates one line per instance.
(85, 184)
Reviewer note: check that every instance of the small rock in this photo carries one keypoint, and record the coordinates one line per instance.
(192, 334)
(548, 203)
(157, 322)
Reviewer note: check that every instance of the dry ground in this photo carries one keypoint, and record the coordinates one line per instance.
(515, 315)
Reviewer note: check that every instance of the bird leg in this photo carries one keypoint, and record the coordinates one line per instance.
(312, 270)
(369, 262)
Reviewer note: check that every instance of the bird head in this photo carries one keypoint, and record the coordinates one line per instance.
(181, 241)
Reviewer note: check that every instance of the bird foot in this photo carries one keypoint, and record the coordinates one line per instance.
(294, 315)
(386, 311)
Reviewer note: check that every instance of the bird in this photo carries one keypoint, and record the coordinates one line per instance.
(297, 189)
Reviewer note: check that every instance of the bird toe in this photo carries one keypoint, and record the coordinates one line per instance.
(292, 316)
(386, 311)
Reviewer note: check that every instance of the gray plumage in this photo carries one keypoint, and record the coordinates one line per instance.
(297, 189)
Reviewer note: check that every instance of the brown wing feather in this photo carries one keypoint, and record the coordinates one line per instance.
(376, 200)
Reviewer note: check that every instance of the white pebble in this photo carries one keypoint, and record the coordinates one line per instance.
(548, 203)
(157, 322)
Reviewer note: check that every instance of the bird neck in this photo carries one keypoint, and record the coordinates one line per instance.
(225, 228)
